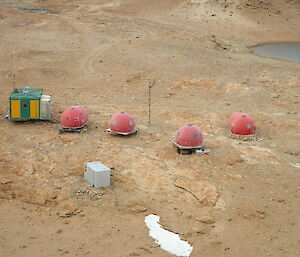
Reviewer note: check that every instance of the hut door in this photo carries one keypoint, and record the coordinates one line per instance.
(34, 109)
(25, 113)
(15, 108)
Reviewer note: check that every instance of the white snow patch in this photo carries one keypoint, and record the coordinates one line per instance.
(167, 240)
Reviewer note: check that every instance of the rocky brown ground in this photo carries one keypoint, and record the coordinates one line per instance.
(242, 199)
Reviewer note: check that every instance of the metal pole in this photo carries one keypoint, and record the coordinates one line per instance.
(14, 69)
(150, 85)
(149, 103)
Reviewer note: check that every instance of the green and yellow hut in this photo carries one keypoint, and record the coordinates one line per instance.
(29, 104)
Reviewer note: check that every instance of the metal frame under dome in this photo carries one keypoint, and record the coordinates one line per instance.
(136, 130)
(78, 129)
(185, 150)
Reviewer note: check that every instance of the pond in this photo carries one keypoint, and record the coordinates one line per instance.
(289, 51)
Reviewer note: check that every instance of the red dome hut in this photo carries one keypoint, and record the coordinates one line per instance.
(241, 124)
(74, 118)
(189, 136)
(122, 123)
(188, 140)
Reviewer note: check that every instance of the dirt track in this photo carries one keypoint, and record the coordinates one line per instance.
(101, 55)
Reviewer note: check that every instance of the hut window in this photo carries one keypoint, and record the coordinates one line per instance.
(25, 105)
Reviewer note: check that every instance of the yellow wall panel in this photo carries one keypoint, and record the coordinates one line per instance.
(15, 108)
(34, 109)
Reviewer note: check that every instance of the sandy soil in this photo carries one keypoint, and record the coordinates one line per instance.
(242, 199)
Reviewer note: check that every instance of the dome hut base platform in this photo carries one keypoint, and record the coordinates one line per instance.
(186, 150)
(122, 133)
(79, 129)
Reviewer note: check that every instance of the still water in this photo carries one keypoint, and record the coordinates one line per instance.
(289, 51)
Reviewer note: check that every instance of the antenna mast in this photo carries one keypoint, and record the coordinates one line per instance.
(14, 69)
(150, 85)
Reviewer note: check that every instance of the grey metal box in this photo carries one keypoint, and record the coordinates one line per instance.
(97, 174)
(45, 107)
